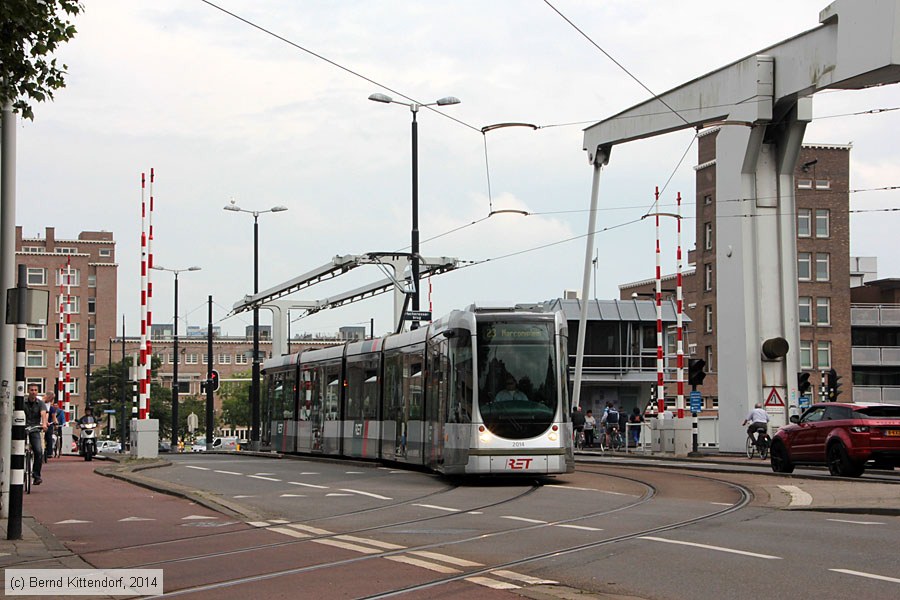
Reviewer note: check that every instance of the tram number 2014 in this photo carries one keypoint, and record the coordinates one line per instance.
(518, 444)
(519, 464)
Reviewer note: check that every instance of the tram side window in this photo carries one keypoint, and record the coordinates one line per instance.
(412, 384)
(460, 404)
(305, 394)
(393, 372)
(362, 388)
(289, 388)
(332, 383)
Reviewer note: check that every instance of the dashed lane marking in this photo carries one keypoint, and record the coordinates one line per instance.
(227, 472)
(867, 575)
(523, 578)
(263, 473)
(524, 519)
(370, 494)
(722, 503)
(492, 583)
(293, 495)
(198, 468)
(309, 485)
(798, 496)
(309, 473)
(290, 532)
(339, 495)
(460, 562)
(436, 507)
(128, 519)
(708, 547)
(71, 522)
(353, 472)
(347, 546)
(423, 564)
(582, 527)
(263, 477)
(197, 518)
(856, 522)
(244, 496)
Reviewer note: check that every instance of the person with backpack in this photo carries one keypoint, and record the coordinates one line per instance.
(610, 421)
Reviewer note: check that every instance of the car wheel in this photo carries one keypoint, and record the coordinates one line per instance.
(839, 463)
(781, 463)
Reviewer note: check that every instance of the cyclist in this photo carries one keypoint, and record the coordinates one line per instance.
(610, 422)
(759, 422)
(52, 419)
(36, 414)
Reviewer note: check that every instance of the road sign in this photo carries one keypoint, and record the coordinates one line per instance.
(696, 401)
(110, 411)
(774, 398)
(418, 315)
(804, 402)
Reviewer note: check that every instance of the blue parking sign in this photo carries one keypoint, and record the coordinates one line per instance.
(696, 401)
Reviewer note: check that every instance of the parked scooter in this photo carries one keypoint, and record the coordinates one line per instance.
(87, 441)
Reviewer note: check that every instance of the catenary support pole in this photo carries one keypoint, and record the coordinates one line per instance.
(7, 281)
(209, 369)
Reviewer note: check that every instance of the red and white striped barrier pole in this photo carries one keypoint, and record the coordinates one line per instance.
(68, 386)
(660, 382)
(61, 353)
(142, 356)
(679, 321)
(148, 371)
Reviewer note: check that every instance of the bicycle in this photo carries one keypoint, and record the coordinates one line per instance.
(29, 457)
(759, 446)
(617, 441)
(579, 439)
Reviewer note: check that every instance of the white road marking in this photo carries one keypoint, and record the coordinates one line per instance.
(339, 495)
(376, 543)
(707, 547)
(263, 473)
(798, 496)
(71, 522)
(309, 473)
(289, 532)
(293, 496)
(280, 521)
(424, 564)
(523, 578)
(570, 487)
(263, 477)
(856, 522)
(310, 529)
(258, 523)
(492, 583)
(583, 527)
(129, 519)
(395, 472)
(436, 507)
(868, 575)
(196, 518)
(347, 546)
(722, 503)
(460, 562)
(367, 494)
(4, 553)
(243, 496)
(474, 512)
(227, 472)
(524, 519)
(198, 468)
(309, 485)
(353, 472)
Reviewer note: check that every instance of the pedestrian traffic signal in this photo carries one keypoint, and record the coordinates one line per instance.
(803, 383)
(212, 382)
(834, 384)
(696, 373)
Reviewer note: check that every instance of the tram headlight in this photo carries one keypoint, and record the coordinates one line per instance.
(484, 435)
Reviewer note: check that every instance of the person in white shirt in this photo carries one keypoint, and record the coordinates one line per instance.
(759, 421)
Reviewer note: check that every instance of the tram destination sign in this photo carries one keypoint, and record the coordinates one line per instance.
(417, 315)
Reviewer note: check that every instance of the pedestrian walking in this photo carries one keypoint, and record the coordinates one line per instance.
(590, 425)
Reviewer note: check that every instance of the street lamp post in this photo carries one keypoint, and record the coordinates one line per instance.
(254, 384)
(414, 245)
(175, 353)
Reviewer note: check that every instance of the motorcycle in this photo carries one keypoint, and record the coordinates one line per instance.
(87, 442)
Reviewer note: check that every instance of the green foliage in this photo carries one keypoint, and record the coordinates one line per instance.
(30, 31)
(235, 397)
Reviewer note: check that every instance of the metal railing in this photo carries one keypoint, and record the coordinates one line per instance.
(875, 314)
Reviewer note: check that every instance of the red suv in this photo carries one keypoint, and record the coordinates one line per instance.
(844, 436)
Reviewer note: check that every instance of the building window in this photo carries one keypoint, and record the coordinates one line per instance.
(804, 225)
(92, 281)
(71, 305)
(70, 277)
(169, 358)
(709, 359)
(190, 359)
(708, 277)
(36, 276)
(32, 249)
(65, 250)
(806, 354)
(822, 222)
(241, 359)
(224, 359)
(707, 199)
(92, 359)
(805, 305)
(92, 331)
(709, 318)
(804, 184)
(205, 359)
(707, 236)
(36, 358)
(822, 268)
(823, 311)
(70, 330)
(92, 305)
(823, 184)
(72, 360)
(105, 252)
(823, 355)
(36, 332)
(804, 266)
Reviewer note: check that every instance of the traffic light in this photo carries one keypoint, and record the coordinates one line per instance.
(213, 381)
(803, 383)
(834, 384)
(695, 371)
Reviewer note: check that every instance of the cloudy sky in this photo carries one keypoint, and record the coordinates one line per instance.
(222, 109)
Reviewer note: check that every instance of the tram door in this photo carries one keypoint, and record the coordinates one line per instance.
(436, 402)
(330, 381)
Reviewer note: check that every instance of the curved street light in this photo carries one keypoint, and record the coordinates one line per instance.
(254, 385)
(414, 249)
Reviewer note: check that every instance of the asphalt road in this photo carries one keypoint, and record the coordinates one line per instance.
(308, 529)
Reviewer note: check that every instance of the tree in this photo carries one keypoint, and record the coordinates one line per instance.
(30, 31)
(236, 400)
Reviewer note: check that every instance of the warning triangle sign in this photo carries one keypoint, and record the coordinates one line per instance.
(774, 398)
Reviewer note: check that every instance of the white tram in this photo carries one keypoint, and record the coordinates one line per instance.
(480, 391)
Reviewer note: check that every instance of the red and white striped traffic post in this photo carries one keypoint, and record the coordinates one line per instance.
(142, 355)
(660, 382)
(679, 319)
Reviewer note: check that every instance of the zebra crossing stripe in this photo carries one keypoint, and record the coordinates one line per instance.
(423, 564)
(461, 562)
(376, 543)
(347, 546)
(492, 583)
(309, 529)
(290, 532)
(523, 578)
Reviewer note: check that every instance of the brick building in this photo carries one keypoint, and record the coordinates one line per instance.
(823, 255)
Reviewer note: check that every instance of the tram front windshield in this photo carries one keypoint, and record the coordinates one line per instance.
(517, 377)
